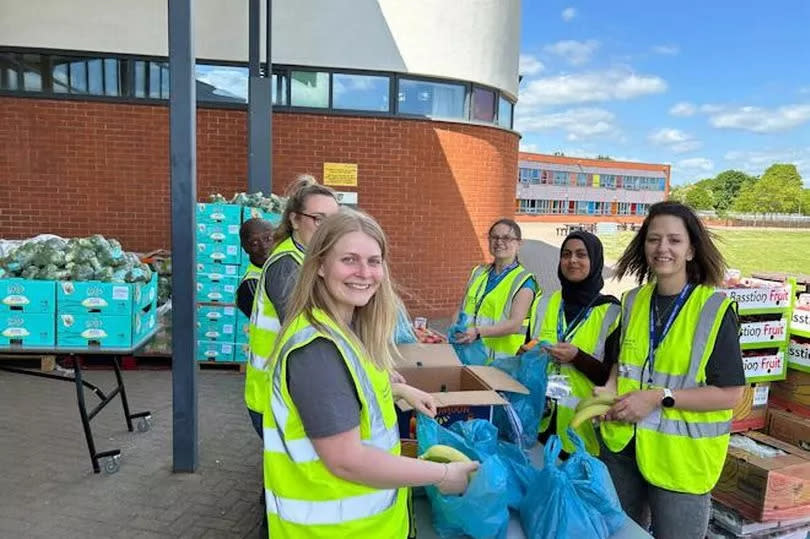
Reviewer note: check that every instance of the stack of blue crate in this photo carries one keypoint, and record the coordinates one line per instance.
(99, 315)
(219, 258)
(27, 314)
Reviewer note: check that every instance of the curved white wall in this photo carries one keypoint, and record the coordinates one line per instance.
(473, 40)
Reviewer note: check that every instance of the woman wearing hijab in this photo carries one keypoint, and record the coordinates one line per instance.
(579, 323)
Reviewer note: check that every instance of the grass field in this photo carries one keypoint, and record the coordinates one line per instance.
(748, 250)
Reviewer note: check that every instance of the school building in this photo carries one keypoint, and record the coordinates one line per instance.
(561, 188)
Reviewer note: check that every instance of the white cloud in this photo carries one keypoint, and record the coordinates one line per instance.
(805, 90)
(609, 85)
(578, 124)
(574, 52)
(695, 164)
(529, 147)
(760, 120)
(529, 65)
(674, 139)
(227, 81)
(568, 14)
(669, 50)
(756, 161)
(683, 109)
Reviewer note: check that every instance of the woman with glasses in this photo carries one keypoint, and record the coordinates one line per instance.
(308, 204)
(580, 324)
(498, 295)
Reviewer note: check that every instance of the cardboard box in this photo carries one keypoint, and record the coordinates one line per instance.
(760, 296)
(27, 330)
(24, 296)
(94, 330)
(143, 323)
(219, 213)
(772, 331)
(427, 355)
(222, 290)
(764, 489)
(144, 294)
(241, 353)
(221, 330)
(242, 328)
(792, 393)
(85, 297)
(800, 320)
(750, 412)
(214, 351)
(218, 233)
(461, 393)
(789, 428)
(218, 270)
(799, 355)
(764, 364)
(219, 253)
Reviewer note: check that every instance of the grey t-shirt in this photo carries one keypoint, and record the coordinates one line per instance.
(322, 389)
(279, 281)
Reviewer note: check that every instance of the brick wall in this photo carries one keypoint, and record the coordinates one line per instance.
(76, 168)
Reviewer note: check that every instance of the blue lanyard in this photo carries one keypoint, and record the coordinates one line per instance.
(483, 285)
(655, 339)
(564, 330)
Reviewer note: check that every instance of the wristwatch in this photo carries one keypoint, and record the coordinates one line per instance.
(668, 401)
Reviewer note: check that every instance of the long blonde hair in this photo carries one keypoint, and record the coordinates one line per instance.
(297, 194)
(373, 324)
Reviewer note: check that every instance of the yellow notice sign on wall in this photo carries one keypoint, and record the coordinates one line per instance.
(340, 174)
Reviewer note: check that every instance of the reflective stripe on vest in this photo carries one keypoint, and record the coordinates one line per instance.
(495, 307)
(664, 436)
(309, 513)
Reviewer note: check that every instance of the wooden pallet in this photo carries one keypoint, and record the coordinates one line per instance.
(729, 523)
(223, 365)
(47, 363)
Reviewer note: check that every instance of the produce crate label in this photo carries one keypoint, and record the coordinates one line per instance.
(216, 315)
(120, 292)
(761, 395)
(94, 303)
(770, 331)
(764, 365)
(12, 333)
(93, 333)
(799, 354)
(800, 320)
(15, 300)
(759, 298)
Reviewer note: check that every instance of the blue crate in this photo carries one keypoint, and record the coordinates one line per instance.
(242, 327)
(219, 213)
(241, 353)
(221, 330)
(214, 351)
(144, 294)
(257, 213)
(27, 330)
(216, 290)
(219, 253)
(22, 295)
(218, 233)
(93, 330)
(218, 270)
(77, 297)
(143, 323)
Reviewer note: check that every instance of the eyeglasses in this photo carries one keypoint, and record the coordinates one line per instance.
(316, 219)
(502, 239)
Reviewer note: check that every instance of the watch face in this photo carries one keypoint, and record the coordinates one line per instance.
(668, 402)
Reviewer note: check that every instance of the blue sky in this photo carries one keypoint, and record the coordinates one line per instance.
(704, 86)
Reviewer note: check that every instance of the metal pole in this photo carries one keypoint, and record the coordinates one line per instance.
(258, 108)
(182, 148)
(269, 75)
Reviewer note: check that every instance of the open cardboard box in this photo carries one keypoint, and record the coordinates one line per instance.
(461, 393)
(766, 488)
(427, 355)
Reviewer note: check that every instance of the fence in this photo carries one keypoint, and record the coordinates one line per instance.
(781, 220)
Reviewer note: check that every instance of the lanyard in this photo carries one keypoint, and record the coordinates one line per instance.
(483, 285)
(655, 339)
(564, 330)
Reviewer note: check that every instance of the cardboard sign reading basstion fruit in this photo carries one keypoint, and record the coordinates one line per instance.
(801, 319)
(757, 332)
(765, 365)
(775, 297)
(799, 355)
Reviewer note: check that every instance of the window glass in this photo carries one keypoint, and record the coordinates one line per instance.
(431, 99)
(112, 80)
(483, 105)
(32, 72)
(8, 71)
(309, 89)
(222, 84)
(77, 77)
(279, 93)
(360, 92)
(504, 112)
(95, 77)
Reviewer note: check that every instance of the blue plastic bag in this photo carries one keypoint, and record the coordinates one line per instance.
(474, 353)
(594, 484)
(481, 512)
(553, 507)
(403, 332)
(520, 472)
(529, 369)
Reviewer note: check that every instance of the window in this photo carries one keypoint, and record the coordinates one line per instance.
(431, 99)
(582, 207)
(309, 89)
(151, 79)
(483, 102)
(582, 179)
(505, 112)
(221, 84)
(560, 178)
(8, 71)
(360, 92)
(279, 91)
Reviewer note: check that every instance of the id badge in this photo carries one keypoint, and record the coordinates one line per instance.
(558, 387)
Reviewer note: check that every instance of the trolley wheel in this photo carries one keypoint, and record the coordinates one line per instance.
(145, 423)
(112, 464)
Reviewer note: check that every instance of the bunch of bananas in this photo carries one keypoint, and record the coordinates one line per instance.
(444, 454)
(592, 407)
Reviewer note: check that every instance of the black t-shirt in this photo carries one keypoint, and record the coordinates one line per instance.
(245, 294)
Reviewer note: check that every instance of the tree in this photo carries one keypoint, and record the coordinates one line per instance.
(778, 191)
(805, 200)
(727, 185)
(699, 197)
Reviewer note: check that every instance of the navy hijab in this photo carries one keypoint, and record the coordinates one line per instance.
(576, 296)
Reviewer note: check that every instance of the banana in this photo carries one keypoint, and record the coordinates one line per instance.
(602, 398)
(588, 412)
(444, 453)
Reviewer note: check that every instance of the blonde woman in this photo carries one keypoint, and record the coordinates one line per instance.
(331, 443)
